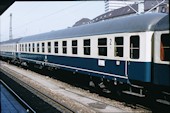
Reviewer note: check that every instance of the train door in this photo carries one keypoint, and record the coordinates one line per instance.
(134, 52)
(119, 50)
(161, 58)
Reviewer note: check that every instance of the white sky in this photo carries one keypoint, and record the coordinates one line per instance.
(29, 18)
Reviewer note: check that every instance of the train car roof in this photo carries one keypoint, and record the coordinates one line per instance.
(12, 41)
(132, 23)
(163, 24)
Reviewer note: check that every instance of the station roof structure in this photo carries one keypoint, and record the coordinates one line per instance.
(5, 4)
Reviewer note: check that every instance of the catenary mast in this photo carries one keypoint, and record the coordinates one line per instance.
(10, 27)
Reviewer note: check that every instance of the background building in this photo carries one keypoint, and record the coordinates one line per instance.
(116, 4)
(121, 8)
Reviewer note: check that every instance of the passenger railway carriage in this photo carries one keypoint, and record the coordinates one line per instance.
(8, 49)
(134, 50)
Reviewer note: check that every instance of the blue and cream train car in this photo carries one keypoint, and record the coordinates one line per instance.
(134, 50)
(8, 49)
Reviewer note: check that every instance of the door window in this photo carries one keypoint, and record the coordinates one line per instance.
(165, 47)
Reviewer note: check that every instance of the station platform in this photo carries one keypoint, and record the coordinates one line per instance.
(8, 103)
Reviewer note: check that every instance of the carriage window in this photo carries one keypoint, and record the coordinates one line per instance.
(102, 46)
(43, 49)
(25, 47)
(16, 48)
(64, 47)
(118, 47)
(19, 47)
(86, 47)
(33, 47)
(22, 47)
(74, 47)
(165, 47)
(134, 47)
(38, 47)
(29, 47)
(56, 47)
(49, 47)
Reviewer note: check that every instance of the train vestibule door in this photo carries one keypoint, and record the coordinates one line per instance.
(161, 58)
(134, 54)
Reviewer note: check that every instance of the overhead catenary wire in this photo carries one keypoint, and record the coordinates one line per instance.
(41, 18)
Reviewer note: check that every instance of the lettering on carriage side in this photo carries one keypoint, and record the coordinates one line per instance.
(110, 41)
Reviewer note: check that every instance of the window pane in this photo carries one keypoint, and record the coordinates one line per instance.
(64, 43)
(119, 40)
(29, 47)
(134, 41)
(65, 50)
(165, 47)
(119, 51)
(49, 44)
(74, 50)
(55, 43)
(87, 50)
(87, 42)
(135, 53)
(74, 43)
(103, 51)
(102, 41)
(134, 47)
(56, 50)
